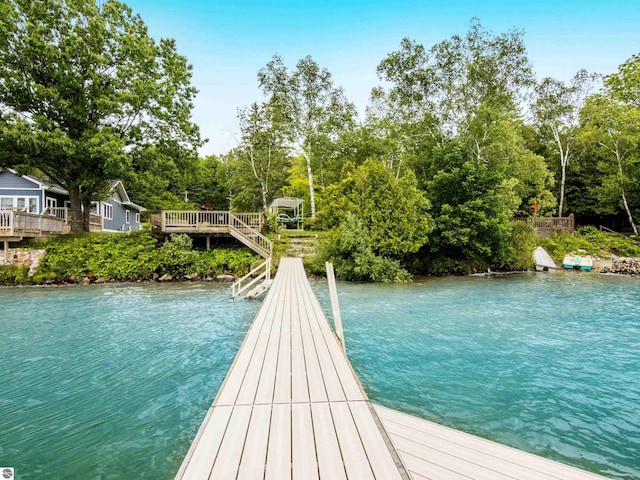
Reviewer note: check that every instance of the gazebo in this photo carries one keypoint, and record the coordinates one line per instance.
(288, 210)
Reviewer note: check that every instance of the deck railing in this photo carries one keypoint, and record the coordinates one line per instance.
(17, 222)
(547, 225)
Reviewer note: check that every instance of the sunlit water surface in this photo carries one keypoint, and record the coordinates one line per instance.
(113, 381)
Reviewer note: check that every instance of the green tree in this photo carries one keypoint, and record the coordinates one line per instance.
(391, 216)
(471, 206)
(611, 132)
(83, 87)
(309, 104)
(450, 83)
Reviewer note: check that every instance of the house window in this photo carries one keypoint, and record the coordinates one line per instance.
(51, 202)
(27, 204)
(127, 216)
(138, 218)
(107, 211)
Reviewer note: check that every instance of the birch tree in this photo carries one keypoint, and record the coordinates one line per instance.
(262, 148)
(613, 128)
(556, 109)
(307, 101)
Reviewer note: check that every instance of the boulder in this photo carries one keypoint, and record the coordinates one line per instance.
(165, 278)
(85, 281)
(192, 276)
(102, 280)
(225, 278)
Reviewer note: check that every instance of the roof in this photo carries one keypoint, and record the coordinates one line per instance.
(286, 202)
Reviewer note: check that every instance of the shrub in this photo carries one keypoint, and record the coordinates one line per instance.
(12, 275)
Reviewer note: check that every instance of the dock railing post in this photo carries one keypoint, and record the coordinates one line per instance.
(335, 307)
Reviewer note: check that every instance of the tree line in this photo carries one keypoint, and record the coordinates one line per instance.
(457, 139)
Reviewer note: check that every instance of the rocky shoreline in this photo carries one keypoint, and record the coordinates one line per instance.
(623, 266)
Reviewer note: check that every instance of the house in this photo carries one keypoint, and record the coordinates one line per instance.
(33, 195)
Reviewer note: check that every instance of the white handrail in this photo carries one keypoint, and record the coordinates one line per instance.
(237, 288)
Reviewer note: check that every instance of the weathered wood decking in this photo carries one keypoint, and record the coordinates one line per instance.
(291, 407)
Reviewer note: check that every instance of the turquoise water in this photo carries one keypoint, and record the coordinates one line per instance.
(113, 381)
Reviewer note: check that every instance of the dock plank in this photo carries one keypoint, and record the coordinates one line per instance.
(330, 461)
(279, 452)
(253, 462)
(304, 465)
(208, 442)
(228, 459)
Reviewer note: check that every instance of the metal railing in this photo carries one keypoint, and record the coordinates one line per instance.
(238, 287)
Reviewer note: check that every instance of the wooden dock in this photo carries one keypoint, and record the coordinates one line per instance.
(291, 407)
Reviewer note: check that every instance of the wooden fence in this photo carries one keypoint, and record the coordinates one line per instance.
(545, 226)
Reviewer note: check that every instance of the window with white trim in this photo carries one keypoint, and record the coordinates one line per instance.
(127, 216)
(107, 211)
(27, 204)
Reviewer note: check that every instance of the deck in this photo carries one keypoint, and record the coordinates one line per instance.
(291, 407)
(245, 227)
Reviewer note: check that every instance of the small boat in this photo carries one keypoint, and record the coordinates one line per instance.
(543, 261)
(575, 261)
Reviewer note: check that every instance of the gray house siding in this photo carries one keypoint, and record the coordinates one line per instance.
(10, 181)
(119, 222)
(15, 189)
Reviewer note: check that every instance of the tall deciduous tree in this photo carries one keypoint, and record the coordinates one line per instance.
(262, 149)
(82, 86)
(613, 128)
(310, 105)
(457, 77)
(556, 108)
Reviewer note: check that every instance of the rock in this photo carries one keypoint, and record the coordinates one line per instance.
(165, 278)
(624, 266)
(155, 276)
(192, 276)
(225, 278)
(72, 279)
(102, 280)
(85, 281)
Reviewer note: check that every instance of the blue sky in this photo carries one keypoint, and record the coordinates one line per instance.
(228, 42)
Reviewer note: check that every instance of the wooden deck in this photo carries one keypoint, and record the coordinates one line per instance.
(245, 227)
(291, 406)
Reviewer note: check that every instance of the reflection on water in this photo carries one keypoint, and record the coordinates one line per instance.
(113, 381)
